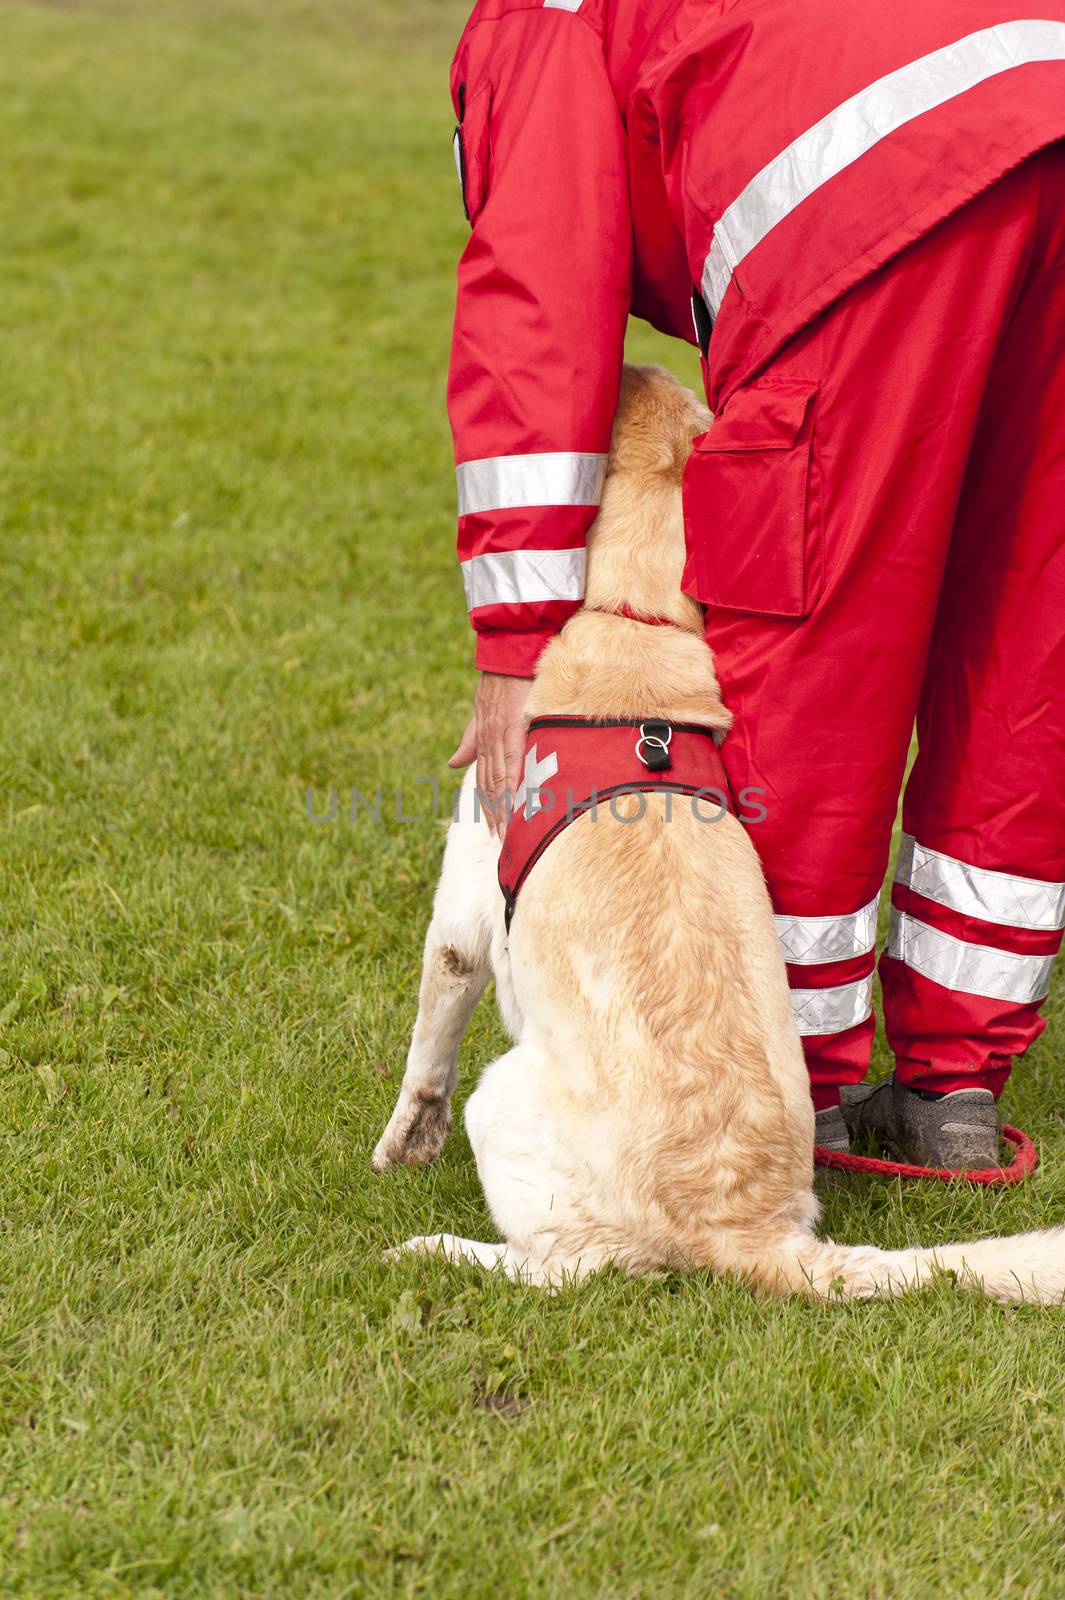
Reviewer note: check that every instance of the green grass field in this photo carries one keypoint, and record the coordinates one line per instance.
(227, 234)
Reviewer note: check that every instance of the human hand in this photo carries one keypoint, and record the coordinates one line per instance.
(495, 738)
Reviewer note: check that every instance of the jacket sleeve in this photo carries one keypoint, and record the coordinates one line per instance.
(543, 298)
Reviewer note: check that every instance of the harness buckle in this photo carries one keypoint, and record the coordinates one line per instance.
(655, 738)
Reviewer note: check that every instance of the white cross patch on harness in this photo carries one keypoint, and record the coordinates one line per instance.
(536, 773)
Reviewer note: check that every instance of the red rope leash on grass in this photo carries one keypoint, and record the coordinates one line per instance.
(1022, 1166)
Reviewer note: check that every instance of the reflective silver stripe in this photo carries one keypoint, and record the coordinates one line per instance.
(832, 1010)
(858, 124)
(559, 478)
(967, 968)
(563, 5)
(806, 941)
(977, 891)
(516, 577)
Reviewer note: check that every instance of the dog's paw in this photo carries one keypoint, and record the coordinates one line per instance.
(415, 1135)
(423, 1244)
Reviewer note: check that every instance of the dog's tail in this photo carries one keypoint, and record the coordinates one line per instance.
(1019, 1267)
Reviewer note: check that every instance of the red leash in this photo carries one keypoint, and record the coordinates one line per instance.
(1022, 1166)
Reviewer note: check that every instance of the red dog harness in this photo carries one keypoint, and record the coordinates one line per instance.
(573, 766)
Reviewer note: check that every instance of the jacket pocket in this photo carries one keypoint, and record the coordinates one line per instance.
(751, 520)
(472, 148)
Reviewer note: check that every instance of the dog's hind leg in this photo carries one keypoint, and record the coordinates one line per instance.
(532, 1184)
(476, 1253)
(455, 969)
(452, 1248)
(542, 1193)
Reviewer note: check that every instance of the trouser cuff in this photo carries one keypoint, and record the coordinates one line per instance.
(948, 1077)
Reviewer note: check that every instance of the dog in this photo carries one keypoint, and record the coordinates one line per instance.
(654, 1110)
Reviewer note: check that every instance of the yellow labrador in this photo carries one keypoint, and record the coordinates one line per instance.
(654, 1109)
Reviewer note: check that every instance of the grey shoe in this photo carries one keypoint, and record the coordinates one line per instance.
(958, 1130)
(831, 1131)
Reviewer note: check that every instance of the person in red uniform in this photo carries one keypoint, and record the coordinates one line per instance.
(869, 203)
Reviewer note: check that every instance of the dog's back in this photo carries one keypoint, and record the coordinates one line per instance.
(645, 939)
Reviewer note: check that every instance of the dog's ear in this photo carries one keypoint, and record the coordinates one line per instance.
(657, 419)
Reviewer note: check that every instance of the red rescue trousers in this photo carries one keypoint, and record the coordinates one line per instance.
(877, 523)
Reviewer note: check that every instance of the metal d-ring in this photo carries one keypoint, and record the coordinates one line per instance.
(654, 741)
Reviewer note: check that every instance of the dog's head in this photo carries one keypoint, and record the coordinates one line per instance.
(636, 544)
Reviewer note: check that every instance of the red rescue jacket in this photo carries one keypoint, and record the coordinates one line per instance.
(616, 153)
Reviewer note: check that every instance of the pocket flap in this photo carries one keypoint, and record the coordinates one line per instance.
(752, 526)
(760, 418)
